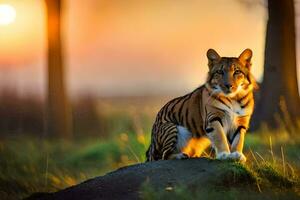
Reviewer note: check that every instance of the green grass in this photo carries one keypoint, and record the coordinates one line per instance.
(239, 181)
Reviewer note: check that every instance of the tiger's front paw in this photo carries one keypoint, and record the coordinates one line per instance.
(238, 156)
(223, 155)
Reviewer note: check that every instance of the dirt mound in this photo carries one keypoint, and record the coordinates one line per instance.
(131, 182)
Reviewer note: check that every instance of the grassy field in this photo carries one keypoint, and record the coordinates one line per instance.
(29, 164)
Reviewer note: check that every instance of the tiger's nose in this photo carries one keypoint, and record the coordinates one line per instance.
(228, 86)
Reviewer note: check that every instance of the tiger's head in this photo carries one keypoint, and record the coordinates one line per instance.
(229, 75)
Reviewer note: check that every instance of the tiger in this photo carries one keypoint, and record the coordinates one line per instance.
(215, 115)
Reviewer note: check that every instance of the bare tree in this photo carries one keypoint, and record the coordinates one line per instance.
(58, 117)
(279, 96)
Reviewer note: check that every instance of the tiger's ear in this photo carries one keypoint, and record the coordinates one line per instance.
(213, 57)
(245, 58)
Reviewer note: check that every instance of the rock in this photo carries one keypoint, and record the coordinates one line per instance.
(126, 182)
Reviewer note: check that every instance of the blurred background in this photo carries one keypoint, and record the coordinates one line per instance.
(82, 81)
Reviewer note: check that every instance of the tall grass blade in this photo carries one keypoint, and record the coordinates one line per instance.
(271, 149)
(254, 157)
(260, 156)
(283, 160)
(134, 154)
(46, 173)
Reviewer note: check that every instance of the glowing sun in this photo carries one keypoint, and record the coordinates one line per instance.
(7, 14)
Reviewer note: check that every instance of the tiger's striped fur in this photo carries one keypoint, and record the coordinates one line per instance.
(217, 113)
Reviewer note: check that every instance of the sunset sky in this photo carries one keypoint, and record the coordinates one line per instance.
(130, 47)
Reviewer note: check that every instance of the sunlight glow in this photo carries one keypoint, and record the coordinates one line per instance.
(7, 14)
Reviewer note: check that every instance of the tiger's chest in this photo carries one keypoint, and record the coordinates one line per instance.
(237, 109)
(234, 115)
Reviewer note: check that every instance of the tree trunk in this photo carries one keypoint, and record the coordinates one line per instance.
(279, 98)
(58, 111)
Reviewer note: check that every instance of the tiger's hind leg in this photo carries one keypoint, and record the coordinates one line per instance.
(189, 145)
(168, 138)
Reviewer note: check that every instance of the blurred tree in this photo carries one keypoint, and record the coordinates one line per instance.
(279, 97)
(58, 117)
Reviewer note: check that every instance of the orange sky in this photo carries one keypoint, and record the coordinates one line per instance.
(131, 47)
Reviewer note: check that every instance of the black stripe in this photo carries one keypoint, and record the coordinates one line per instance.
(194, 125)
(182, 105)
(164, 136)
(228, 99)
(224, 103)
(171, 111)
(205, 121)
(246, 104)
(180, 111)
(244, 97)
(165, 131)
(208, 130)
(209, 115)
(185, 122)
(164, 108)
(170, 141)
(164, 113)
(168, 129)
(216, 119)
(200, 98)
(235, 134)
(221, 110)
(161, 134)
